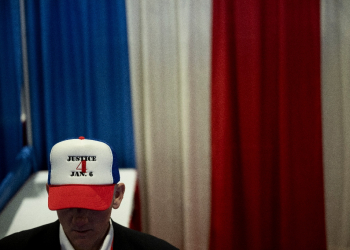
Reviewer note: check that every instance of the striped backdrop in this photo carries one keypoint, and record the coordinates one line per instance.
(241, 114)
(240, 111)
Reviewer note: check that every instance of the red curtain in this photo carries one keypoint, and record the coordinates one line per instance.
(267, 173)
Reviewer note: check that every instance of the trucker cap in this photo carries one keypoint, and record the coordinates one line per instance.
(82, 174)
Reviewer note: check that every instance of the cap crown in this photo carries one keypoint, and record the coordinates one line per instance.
(82, 161)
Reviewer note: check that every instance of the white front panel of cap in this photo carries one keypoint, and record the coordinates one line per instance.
(81, 162)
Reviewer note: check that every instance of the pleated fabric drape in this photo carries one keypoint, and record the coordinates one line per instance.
(267, 169)
(336, 120)
(11, 78)
(79, 75)
(170, 71)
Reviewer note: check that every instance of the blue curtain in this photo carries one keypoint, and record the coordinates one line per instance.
(79, 75)
(10, 86)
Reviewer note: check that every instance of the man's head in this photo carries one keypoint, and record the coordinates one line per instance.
(85, 228)
(82, 187)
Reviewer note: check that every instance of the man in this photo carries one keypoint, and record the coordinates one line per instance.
(83, 187)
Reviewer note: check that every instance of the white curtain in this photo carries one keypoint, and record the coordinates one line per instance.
(169, 44)
(335, 18)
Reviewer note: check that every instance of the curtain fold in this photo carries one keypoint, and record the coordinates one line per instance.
(170, 69)
(79, 75)
(194, 22)
(267, 172)
(336, 117)
(10, 86)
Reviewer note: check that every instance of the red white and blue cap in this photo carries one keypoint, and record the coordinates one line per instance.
(82, 174)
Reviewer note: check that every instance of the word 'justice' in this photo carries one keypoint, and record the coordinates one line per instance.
(81, 158)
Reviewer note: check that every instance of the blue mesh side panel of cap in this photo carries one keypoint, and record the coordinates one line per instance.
(115, 169)
(49, 175)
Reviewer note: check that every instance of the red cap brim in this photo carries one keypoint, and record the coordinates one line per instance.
(94, 197)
